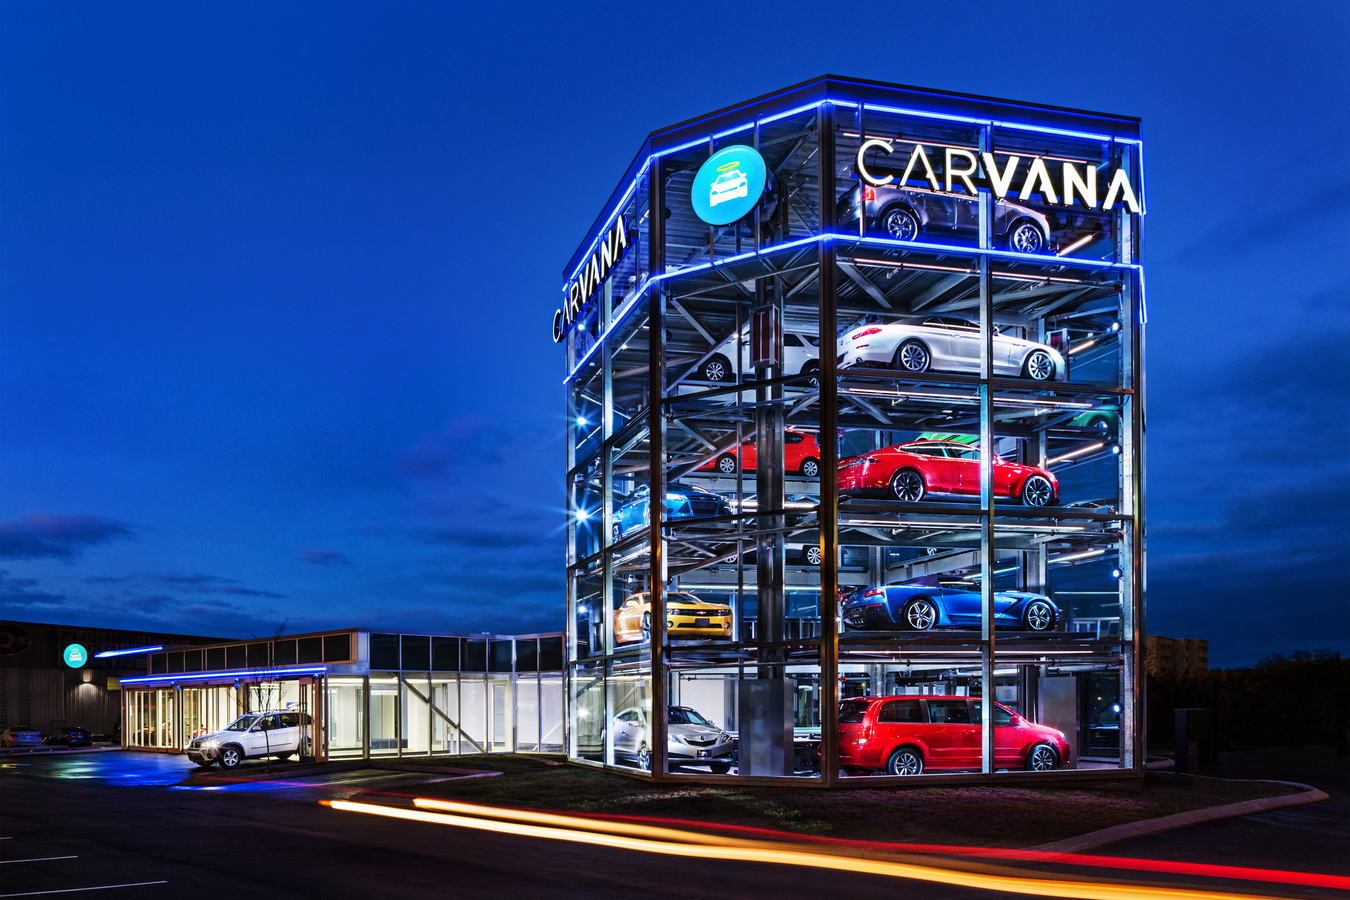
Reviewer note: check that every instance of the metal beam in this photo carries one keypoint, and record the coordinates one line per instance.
(863, 282)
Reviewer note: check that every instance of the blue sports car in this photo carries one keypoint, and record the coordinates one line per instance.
(682, 502)
(938, 600)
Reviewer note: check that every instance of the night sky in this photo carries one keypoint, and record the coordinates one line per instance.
(276, 285)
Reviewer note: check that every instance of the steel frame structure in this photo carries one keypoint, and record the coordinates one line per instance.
(637, 409)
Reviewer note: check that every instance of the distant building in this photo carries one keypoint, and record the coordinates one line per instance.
(1169, 656)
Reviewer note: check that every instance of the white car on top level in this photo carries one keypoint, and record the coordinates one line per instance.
(801, 355)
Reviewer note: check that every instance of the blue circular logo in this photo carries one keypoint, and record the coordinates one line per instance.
(75, 655)
(728, 185)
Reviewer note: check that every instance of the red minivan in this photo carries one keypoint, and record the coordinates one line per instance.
(908, 734)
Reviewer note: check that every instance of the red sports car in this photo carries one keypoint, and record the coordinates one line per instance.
(801, 454)
(913, 471)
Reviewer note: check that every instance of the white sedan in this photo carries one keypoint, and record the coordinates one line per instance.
(948, 344)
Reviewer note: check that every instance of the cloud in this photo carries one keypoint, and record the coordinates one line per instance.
(324, 558)
(468, 443)
(43, 535)
(193, 583)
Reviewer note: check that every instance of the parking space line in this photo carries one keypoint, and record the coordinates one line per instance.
(101, 887)
(5, 862)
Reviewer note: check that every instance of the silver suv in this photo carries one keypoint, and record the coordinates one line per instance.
(272, 733)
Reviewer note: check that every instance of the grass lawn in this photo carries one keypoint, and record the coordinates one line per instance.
(967, 816)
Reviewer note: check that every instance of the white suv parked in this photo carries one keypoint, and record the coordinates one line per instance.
(272, 733)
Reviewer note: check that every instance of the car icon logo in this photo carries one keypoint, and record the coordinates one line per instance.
(728, 186)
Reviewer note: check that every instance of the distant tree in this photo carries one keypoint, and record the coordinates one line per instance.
(1275, 659)
(262, 685)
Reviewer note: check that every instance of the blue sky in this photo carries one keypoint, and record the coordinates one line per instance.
(276, 285)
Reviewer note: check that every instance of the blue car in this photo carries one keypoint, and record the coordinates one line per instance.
(945, 600)
(682, 502)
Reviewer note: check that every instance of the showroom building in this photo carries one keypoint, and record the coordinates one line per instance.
(870, 358)
(357, 693)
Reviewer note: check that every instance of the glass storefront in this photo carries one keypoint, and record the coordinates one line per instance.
(857, 433)
(383, 695)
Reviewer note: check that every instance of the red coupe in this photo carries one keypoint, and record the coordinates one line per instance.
(913, 471)
(801, 454)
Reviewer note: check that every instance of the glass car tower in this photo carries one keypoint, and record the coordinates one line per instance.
(855, 445)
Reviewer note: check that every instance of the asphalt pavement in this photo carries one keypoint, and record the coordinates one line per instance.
(117, 825)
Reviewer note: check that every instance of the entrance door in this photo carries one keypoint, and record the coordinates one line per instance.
(500, 716)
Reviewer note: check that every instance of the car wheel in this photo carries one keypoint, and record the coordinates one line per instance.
(913, 356)
(1042, 758)
(1039, 366)
(230, 757)
(1039, 616)
(812, 370)
(907, 485)
(1026, 237)
(1037, 491)
(920, 614)
(716, 368)
(644, 758)
(646, 626)
(813, 556)
(285, 756)
(905, 761)
(720, 768)
(900, 224)
(726, 464)
(615, 533)
(809, 468)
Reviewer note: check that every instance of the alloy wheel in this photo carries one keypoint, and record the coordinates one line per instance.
(1037, 491)
(644, 758)
(900, 224)
(1039, 366)
(1026, 238)
(810, 468)
(920, 615)
(913, 357)
(813, 555)
(1039, 616)
(727, 465)
(714, 370)
(1042, 759)
(907, 485)
(905, 762)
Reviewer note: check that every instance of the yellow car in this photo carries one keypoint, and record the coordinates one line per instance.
(687, 616)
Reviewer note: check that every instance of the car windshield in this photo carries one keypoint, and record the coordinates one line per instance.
(687, 717)
(243, 723)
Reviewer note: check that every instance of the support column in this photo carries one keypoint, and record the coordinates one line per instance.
(829, 457)
(987, 547)
(656, 437)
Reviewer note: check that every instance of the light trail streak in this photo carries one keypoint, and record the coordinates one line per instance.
(696, 846)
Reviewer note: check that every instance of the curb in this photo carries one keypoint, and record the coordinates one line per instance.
(1094, 839)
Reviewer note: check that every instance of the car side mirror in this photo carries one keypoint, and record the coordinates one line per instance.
(1016, 719)
(255, 728)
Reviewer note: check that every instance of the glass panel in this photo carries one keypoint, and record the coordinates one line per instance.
(551, 713)
(346, 717)
(384, 651)
(473, 712)
(445, 715)
(501, 718)
(416, 653)
(416, 717)
(588, 706)
(527, 714)
(384, 737)
(630, 708)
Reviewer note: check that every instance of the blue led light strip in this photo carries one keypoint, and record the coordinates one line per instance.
(896, 110)
(237, 673)
(107, 653)
(631, 300)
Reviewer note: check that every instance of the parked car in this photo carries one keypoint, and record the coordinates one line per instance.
(254, 735)
(914, 470)
(20, 737)
(690, 740)
(801, 356)
(907, 735)
(70, 737)
(801, 455)
(682, 502)
(935, 601)
(686, 617)
(907, 213)
(948, 344)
